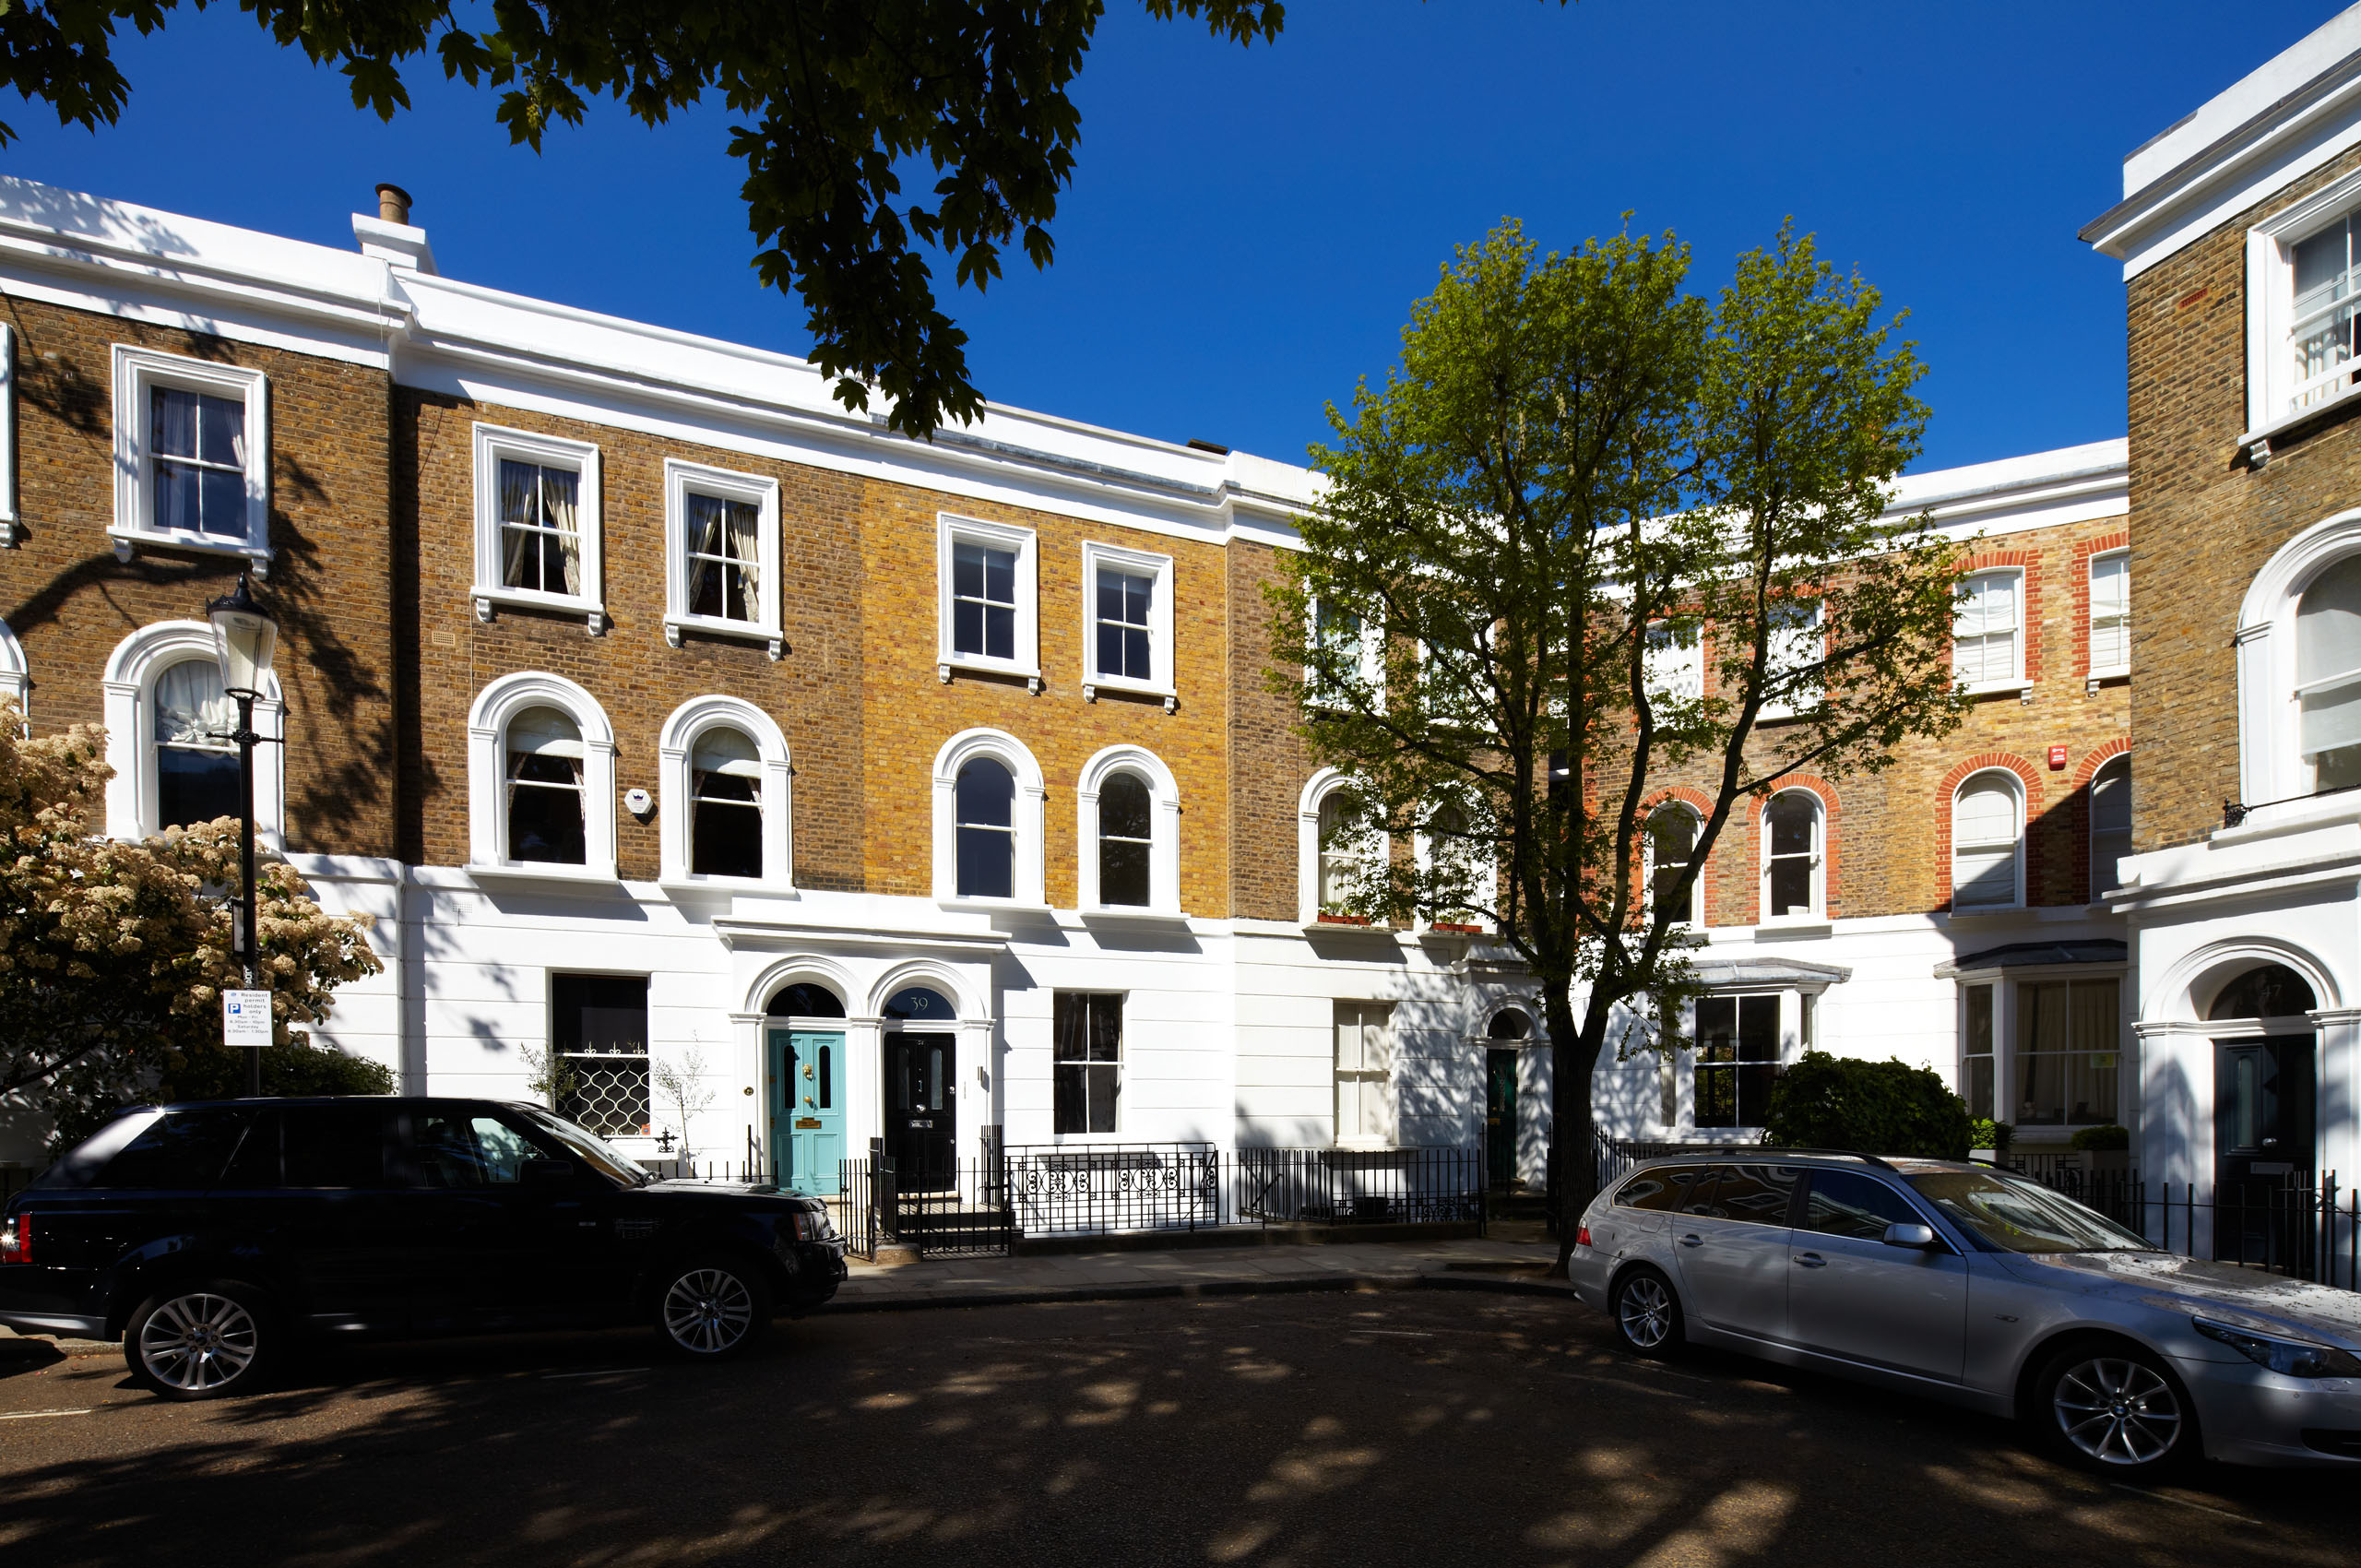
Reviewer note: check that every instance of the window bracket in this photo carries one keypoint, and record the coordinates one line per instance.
(595, 624)
(123, 551)
(2257, 452)
(1172, 704)
(1090, 692)
(1033, 685)
(484, 612)
(777, 648)
(943, 673)
(671, 634)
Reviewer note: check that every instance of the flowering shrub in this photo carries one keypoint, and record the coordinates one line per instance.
(113, 956)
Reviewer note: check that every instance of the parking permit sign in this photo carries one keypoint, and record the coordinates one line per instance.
(246, 1018)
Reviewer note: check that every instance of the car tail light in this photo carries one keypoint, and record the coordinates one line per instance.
(17, 1239)
(1582, 1236)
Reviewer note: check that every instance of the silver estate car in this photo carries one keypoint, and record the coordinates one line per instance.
(1973, 1285)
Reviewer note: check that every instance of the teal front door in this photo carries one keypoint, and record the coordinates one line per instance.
(807, 1107)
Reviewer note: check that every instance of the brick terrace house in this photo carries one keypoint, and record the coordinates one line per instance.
(2236, 236)
(657, 708)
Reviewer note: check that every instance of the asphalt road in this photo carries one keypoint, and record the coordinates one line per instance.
(1408, 1427)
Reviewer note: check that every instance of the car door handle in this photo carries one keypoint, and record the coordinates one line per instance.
(1692, 1240)
(1810, 1260)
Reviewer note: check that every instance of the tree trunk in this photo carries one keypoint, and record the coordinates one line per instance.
(1574, 1061)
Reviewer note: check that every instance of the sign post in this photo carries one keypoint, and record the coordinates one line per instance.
(245, 1018)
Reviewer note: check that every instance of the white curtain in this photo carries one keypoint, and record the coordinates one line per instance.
(544, 731)
(726, 750)
(704, 543)
(191, 706)
(746, 524)
(558, 491)
(517, 484)
(2328, 659)
(2111, 612)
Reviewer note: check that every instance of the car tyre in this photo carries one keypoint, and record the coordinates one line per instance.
(2110, 1407)
(1647, 1312)
(712, 1308)
(210, 1341)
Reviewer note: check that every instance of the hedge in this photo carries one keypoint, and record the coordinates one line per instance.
(1842, 1102)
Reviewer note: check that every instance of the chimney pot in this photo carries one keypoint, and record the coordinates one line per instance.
(392, 204)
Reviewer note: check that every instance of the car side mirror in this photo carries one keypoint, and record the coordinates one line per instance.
(1918, 1238)
(546, 1172)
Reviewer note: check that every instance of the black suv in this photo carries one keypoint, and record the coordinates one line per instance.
(207, 1235)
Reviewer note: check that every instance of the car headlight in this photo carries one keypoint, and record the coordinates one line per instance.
(2296, 1358)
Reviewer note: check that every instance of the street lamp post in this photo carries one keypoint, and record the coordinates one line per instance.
(244, 639)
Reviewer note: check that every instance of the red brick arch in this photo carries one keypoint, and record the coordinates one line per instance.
(2081, 813)
(1831, 843)
(1986, 762)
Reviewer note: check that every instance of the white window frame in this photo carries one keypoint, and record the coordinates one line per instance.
(1817, 914)
(1138, 564)
(1666, 663)
(2271, 306)
(2007, 1056)
(1024, 661)
(2103, 671)
(683, 480)
(1792, 1044)
(16, 674)
(2016, 788)
(2121, 760)
(2272, 767)
(1164, 826)
(1315, 792)
(1694, 918)
(501, 701)
(1422, 853)
(1372, 671)
(129, 708)
(7, 436)
(2014, 681)
(139, 371)
(676, 806)
(1814, 630)
(1386, 1079)
(492, 444)
(1027, 813)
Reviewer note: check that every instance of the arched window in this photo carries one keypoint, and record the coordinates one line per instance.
(196, 769)
(1340, 857)
(1126, 838)
(986, 801)
(2111, 823)
(1987, 837)
(1672, 844)
(1792, 856)
(546, 820)
(1510, 1023)
(919, 1004)
(1338, 854)
(726, 796)
(806, 998)
(14, 677)
(2268, 991)
(2328, 675)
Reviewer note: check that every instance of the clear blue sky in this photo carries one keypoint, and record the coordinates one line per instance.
(1249, 227)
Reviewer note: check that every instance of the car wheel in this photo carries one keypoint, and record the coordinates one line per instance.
(1646, 1313)
(2114, 1408)
(711, 1309)
(203, 1342)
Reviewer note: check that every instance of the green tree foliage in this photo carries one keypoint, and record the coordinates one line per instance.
(838, 103)
(113, 956)
(1886, 1108)
(1577, 462)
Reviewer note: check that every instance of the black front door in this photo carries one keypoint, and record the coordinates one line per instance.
(921, 1109)
(1500, 1118)
(2263, 1096)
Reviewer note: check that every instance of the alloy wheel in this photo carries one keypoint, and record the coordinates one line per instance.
(197, 1343)
(1645, 1312)
(2117, 1411)
(708, 1311)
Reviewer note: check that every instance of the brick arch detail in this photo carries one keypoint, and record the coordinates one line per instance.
(2080, 802)
(2029, 562)
(1832, 812)
(2080, 588)
(1986, 762)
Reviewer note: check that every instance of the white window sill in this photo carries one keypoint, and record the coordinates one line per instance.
(948, 665)
(716, 626)
(990, 907)
(2261, 435)
(527, 873)
(1318, 927)
(679, 883)
(1790, 927)
(486, 600)
(1455, 931)
(127, 540)
(1131, 914)
(1979, 912)
(1094, 685)
(2113, 673)
(2012, 687)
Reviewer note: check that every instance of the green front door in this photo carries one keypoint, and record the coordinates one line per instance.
(1499, 1117)
(807, 1107)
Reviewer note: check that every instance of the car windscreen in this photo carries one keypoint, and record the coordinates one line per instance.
(593, 1151)
(2009, 1214)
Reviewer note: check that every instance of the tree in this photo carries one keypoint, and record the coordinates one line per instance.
(839, 100)
(681, 1087)
(113, 956)
(1576, 470)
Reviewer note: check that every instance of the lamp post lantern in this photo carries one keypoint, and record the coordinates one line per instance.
(243, 640)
